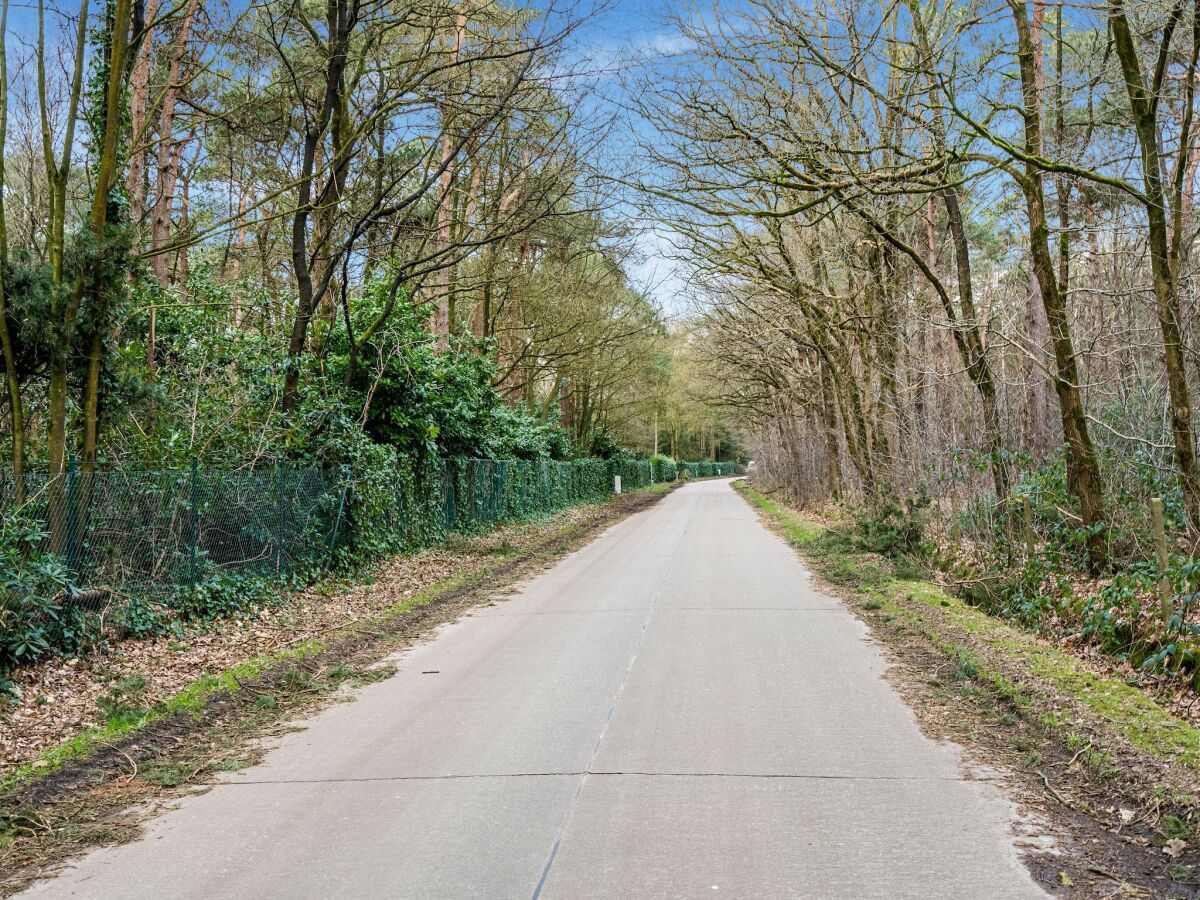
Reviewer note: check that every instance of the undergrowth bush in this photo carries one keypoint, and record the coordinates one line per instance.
(1121, 612)
(34, 621)
(896, 528)
(226, 594)
(663, 468)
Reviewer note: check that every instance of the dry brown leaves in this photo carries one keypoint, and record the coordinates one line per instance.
(1170, 690)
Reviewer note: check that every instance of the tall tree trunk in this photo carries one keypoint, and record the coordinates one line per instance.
(443, 282)
(974, 352)
(341, 15)
(139, 100)
(63, 309)
(968, 330)
(185, 191)
(12, 378)
(107, 175)
(833, 464)
(1038, 440)
(1143, 102)
(1083, 469)
(170, 152)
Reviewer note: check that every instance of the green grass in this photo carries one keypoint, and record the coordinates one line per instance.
(660, 487)
(122, 722)
(1129, 712)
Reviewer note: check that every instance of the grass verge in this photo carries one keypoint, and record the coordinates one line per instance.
(192, 699)
(1127, 711)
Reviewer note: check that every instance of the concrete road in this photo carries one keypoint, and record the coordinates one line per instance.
(673, 711)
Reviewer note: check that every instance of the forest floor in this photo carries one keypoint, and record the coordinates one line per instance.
(93, 739)
(1107, 771)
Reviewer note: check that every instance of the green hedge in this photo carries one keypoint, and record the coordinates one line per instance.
(635, 473)
(705, 469)
(663, 468)
(408, 505)
(480, 494)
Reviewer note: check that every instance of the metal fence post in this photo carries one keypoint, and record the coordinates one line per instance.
(195, 538)
(73, 515)
(337, 522)
(449, 471)
(281, 522)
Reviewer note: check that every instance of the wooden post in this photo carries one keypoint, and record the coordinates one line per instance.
(1027, 514)
(1158, 524)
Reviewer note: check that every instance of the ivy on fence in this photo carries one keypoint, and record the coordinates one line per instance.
(705, 469)
(156, 546)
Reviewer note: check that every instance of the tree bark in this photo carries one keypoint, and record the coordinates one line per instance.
(139, 100)
(341, 15)
(170, 152)
(1143, 104)
(107, 173)
(833, 464)
(443, 280)
(1083, 469)
(12, 377)
(63, 304)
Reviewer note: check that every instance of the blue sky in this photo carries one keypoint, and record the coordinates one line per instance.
(619, 33)
(629, 23)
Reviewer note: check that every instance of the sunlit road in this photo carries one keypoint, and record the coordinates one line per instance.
(673, 711)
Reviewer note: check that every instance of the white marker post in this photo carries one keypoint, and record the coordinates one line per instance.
(616, 484)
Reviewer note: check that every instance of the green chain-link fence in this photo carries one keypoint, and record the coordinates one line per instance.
(171, 537)
(153, 533)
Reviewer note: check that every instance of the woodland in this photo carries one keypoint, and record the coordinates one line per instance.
(947, 255)
(325, 323)
(937, 263)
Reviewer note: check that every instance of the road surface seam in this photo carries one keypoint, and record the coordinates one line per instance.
(601, 774)
(622, 609)
(566, 819)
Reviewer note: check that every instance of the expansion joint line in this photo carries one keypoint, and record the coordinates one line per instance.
(562, 828)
